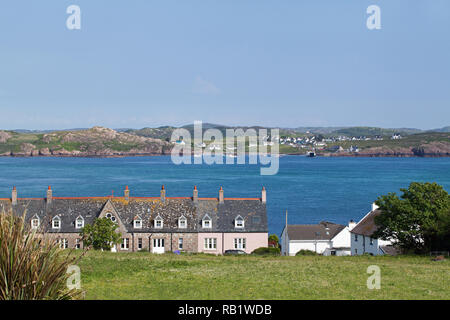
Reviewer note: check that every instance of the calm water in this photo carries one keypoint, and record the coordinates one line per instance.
(311, 189)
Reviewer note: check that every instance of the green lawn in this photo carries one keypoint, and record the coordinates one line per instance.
(108, 275)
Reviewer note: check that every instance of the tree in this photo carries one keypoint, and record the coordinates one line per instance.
(273, 241)
(419, 220)
(101, 235)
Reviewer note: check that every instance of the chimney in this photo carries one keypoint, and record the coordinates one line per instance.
(126, 194)
(374, 206)
(163, 194)
(351, 225)
(263, 195)
(14, 196)
(49, 194)
(221, 195)
(195, 194)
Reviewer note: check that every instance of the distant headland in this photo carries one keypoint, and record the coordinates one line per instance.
(324, 141)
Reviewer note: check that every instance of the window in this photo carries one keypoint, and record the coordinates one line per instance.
(63, 243)
(239, 243)
(371, 241)
(110, 216)
(56, 222)
(77, 243)
(79, 223)
(356, 238)
(125, 244)
(138, 223)
(180, 243)
(182, 223)
(333, 253)
(35, 222)
(239, 222)
(210, 243)
(139, 243)
(206, 222)
(159, 222)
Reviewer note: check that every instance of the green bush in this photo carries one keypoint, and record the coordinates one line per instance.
(267, 251)
(306, 253)
(32, 267)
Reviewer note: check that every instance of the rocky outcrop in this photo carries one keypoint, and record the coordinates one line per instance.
(95, 142)
(4, 136)
(432, 149)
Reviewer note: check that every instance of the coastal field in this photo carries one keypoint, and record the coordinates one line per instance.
(139, 275)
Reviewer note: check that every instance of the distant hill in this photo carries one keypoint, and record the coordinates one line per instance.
(97, 141)
(444, 129)
(374, 131)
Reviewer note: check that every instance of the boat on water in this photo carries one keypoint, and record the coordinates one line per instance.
(311, 154)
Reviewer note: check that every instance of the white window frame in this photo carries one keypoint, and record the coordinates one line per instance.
(38, 222)
(240, 243)
(180, 243)
(125, 245)
(158, 219)
(205, 219)
(137, 223)
(210, 244)
(77, 243)
(111, 217)
(63, 243)
(140, 243)
(180, 226)
(79, 218)
(56, 218)
(236, 225)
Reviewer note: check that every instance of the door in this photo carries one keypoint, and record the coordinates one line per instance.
(158, 246)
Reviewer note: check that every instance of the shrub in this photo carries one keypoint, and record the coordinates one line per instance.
(31, 267)
(304, 252)
(267, 251)
(101, 235)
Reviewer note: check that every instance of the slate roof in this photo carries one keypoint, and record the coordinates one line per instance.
(314, 231)
(222, 214)
(367, 226)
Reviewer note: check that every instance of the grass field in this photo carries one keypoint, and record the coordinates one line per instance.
(108, 275)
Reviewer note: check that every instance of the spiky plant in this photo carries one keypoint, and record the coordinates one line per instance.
(32, 266)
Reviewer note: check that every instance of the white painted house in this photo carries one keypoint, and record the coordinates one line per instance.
(361, 236)
(325, 238)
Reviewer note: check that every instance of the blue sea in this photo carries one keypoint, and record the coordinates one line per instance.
(310, 189)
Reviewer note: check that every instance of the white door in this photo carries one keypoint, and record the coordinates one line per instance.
(158, 246)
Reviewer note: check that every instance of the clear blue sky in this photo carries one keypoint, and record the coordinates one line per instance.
(284, 63)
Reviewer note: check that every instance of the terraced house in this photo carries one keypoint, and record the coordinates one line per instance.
(158, 224)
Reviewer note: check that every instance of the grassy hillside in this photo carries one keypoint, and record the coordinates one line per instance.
(97, 140)
(108, 275)
(373, 131)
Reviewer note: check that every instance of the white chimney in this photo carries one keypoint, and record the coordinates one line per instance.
(374, 206)
(351, 224)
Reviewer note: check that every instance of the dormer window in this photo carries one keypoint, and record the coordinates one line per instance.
(35, 222)
(79, 222)
(239, 222)
(182, 222)
(206, 222)
(137, 222)
(56, 222)
(159, 223)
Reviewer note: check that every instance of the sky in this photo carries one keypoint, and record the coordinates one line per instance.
(287, 63)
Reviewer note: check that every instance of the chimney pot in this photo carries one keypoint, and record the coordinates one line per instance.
(195, 194)
(221, 195)
(14, 196)
(263, 195)
(126, 194)
(163, 194)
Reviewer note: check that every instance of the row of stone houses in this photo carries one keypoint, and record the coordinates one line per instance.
(157, 224)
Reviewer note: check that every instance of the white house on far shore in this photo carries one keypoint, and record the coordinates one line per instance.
(325, 238)
(361, 236)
